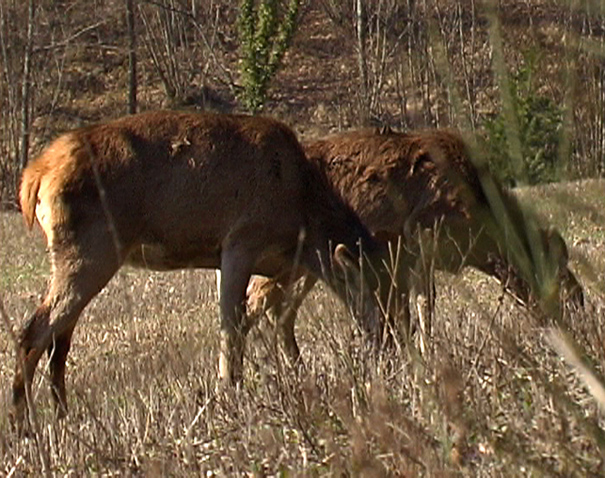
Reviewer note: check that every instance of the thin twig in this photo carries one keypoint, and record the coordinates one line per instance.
(64, 43)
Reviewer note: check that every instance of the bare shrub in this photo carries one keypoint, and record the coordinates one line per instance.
(185, 44)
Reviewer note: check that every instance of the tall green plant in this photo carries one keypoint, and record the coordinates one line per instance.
(540, 122)
(265, 33)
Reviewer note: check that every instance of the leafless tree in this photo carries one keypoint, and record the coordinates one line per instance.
(132, 57)
(184, 43)
(26, 85)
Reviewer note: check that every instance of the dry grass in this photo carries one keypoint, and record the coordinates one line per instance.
(491, 398)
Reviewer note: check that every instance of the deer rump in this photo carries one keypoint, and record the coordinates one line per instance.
(167, 190)
(420, 194)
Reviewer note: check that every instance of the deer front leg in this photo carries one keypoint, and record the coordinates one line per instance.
(236, 266)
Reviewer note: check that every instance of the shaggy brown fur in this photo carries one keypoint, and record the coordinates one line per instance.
(423, 187)
(168, 190)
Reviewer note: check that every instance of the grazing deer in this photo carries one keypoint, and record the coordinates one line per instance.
(167, 190)
(421, 190)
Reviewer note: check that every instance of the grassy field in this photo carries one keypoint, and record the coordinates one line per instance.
(490, 398)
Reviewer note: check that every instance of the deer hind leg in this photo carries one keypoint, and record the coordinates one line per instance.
(76, 279)
(265, 296)
(28, 356)
(280, 302)
(287, 318)
(423, 287)
(394, 324)
(236, 269)
(423, 298)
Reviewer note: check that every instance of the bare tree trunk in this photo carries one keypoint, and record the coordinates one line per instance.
(361, 26)
(26, 87)
(132, 58)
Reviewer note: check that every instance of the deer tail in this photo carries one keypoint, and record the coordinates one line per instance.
(28, 193)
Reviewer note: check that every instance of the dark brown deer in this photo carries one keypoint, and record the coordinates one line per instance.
(168, 190)
(420, 190)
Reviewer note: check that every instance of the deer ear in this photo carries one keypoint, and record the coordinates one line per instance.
(344, 258)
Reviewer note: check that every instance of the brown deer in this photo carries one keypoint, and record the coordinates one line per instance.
(420, 193)
(167, 190)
